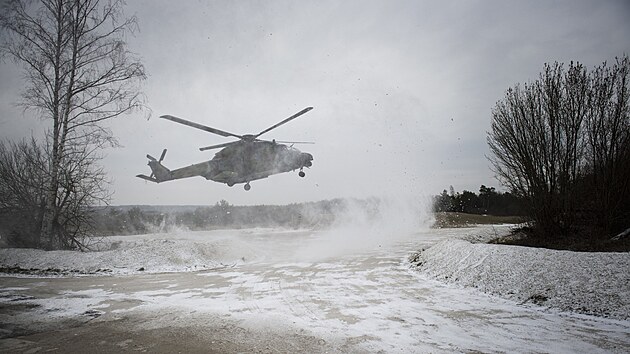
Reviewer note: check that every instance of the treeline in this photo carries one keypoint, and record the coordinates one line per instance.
(222, 215)
(488, 201)
(134, 220)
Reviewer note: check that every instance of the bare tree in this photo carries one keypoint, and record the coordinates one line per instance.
(563, 143)
(23, 172)
(608, 144)
(535, 141)
(23, 175)
(78, 74)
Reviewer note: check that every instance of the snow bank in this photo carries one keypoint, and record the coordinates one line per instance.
(589, 283)
(132, 254)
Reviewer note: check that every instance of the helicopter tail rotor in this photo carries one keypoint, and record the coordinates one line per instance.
(159, 173)
(151, 158)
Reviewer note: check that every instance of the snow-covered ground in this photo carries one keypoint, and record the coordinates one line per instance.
(590, 283)
(299, 291)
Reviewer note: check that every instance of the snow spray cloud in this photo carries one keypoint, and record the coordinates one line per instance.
(385, 165)
(363, 225)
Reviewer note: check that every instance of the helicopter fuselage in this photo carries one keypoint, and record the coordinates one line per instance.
(241, 161)
(248, 161)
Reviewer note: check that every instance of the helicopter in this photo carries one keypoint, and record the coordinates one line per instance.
(240, 161)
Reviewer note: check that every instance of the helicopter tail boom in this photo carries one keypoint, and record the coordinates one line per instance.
(159, 172)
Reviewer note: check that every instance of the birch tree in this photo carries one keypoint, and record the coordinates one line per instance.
(78, 74)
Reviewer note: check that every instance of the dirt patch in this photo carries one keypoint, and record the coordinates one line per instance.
(132, 334)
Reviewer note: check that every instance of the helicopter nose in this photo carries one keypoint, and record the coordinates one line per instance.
(306, 159)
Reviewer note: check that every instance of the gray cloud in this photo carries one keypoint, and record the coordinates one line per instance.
(402, 90)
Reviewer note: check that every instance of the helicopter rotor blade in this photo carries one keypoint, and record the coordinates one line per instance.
(285, 142)
(294, 142)
(217, 146)
(284, 121)
(200, 126)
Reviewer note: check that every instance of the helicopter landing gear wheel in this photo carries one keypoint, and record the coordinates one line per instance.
(247, 186)
(301, 174)
(230, 184)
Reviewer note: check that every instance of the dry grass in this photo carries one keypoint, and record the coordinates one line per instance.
(578, 241)
(452, 220)
(524, 236)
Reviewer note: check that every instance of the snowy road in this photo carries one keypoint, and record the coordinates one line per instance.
(342, 300)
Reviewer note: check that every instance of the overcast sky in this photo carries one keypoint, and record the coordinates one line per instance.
(402, 90)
